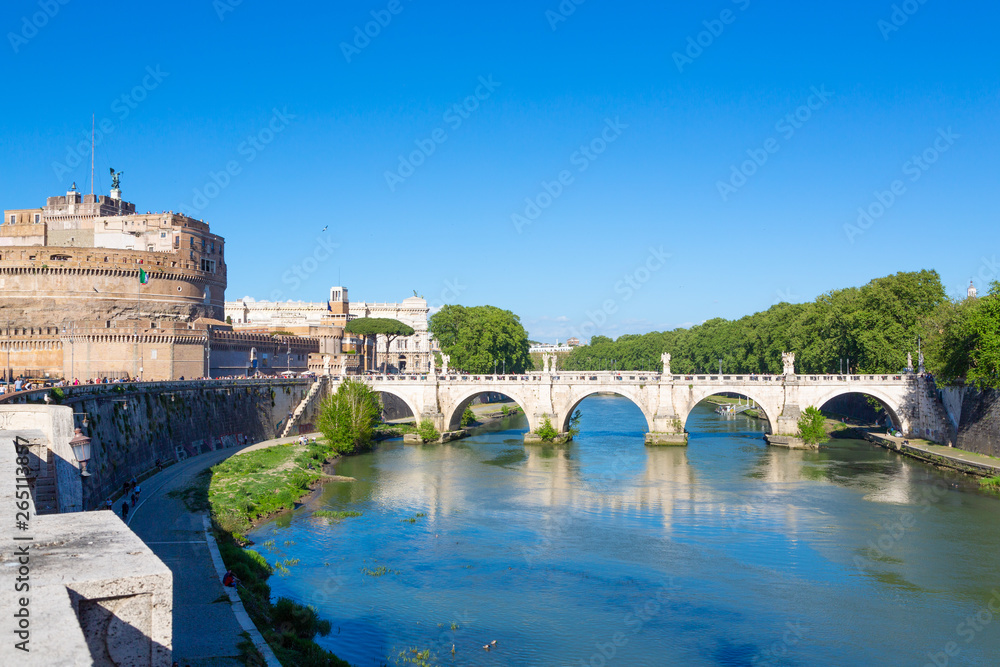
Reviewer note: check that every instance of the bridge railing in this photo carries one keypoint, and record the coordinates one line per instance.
(636, 376)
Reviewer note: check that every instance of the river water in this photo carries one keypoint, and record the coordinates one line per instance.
(606, 552)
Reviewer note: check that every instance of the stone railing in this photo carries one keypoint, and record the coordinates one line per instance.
(98, 595)
(75, 393)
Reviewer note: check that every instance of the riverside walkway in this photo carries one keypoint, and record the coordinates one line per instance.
(950, 457)
(207, 627)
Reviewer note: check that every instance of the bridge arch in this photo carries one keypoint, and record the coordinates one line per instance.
(401, 395)
(698, 395)
(455, 406)
(889, 404)
(569, 407)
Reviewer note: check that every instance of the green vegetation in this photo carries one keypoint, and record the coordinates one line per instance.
(335, 517)
(990, 483)
(963, 340)
(547, 432)
(427, 431)
(574, 424)
(288, 627)
(482, 339)
(874, 326)
(348, 418)
(370, 328)
(504, 410)
(257, 484)
(379, 571)
(468, 417)
(812, 426)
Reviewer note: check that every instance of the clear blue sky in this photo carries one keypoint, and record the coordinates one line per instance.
(446, 230)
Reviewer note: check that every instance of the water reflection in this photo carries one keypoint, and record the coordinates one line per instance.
(551, 550)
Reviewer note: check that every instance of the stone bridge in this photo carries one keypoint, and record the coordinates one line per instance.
(666, 400)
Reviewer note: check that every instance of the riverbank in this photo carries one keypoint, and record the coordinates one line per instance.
(250, 487)
(970, 463)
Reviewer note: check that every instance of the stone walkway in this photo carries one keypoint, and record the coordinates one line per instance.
(957, 456)
(206, 628)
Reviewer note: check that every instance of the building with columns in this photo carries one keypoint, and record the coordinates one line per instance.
(327, 320)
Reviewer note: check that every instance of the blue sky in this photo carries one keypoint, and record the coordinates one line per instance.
(612, 169)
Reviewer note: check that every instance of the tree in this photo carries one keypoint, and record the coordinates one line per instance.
(348, 417)
(482, 339)
(812, 427)
(983, 332)
(370, 328)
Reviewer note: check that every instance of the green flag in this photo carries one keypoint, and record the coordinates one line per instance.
(143, 277)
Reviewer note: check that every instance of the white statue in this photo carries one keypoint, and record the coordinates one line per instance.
(788, 360)
(665, 358)
(909, 362)
(444, 361)
(920, 363)
(326, 364)
(555, 358)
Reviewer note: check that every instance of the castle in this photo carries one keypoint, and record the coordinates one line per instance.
(91, 288)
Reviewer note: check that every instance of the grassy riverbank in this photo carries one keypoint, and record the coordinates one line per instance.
(241, 491)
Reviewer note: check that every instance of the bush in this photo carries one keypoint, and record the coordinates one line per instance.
(812, 426)
(546, 431)
(348, 418)
(427, 432)
(504, 410)
(468, 417)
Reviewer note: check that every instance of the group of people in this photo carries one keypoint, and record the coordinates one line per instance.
(130, 491)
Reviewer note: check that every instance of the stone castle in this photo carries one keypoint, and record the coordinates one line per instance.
(91, 288)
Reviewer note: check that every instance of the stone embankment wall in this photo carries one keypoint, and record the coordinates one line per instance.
(133, 425)
(979, 427)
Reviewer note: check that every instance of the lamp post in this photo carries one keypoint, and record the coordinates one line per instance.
(81, 450)
(720, 366)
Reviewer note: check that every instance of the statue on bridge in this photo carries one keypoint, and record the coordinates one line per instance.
(445, 358)
(665, 358)
(326, 364)
(788, 361)
(909, 362)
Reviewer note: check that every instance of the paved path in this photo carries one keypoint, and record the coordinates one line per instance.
(988, 463)
(206, 629)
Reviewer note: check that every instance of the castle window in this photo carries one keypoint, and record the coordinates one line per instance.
(150, 248)
(38, 218)
(13, 219)
(163, 235)
(192, 242)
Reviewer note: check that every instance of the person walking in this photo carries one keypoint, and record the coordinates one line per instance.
(124, 510)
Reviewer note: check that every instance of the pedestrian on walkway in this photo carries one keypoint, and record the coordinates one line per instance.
(124, 510)
(108, 504)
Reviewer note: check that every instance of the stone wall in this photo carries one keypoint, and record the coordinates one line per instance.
(979, 430)
(133, 425)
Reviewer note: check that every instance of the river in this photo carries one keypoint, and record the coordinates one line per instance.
(724, 552)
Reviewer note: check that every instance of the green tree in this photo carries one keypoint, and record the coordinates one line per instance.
(983, 333)
(370, 328)
(546, 431)
(468, 417)
(427, 432)
(482, 339)
(348, 418)
(812, 426)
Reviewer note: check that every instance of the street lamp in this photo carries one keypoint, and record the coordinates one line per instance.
(81, 450)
